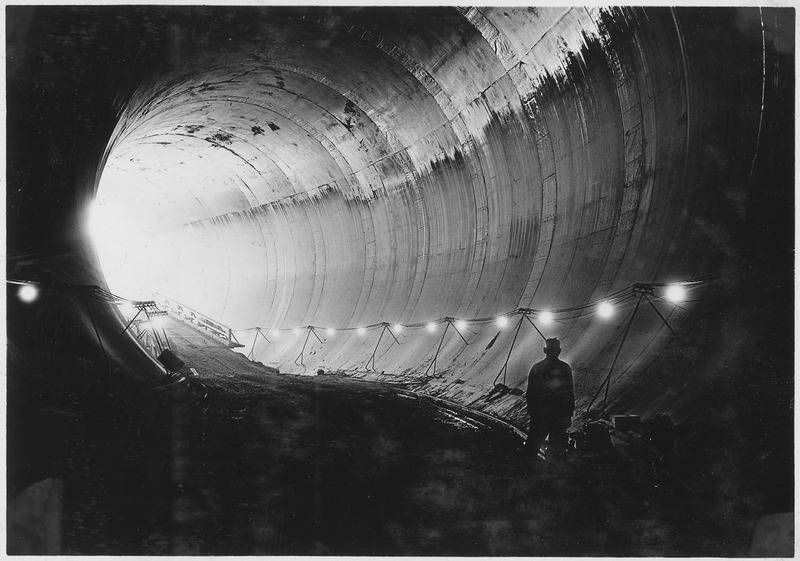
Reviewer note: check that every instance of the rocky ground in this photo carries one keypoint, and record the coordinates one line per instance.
(238, 460)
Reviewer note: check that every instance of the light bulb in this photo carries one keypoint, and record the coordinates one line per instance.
(28, 293)
(605, 310)
(675, 293)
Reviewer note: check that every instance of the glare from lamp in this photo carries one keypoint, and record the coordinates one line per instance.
(362, 331)
(546, 317)
(398, 328)
(297, 331)
(605, 310)
(502, 321)
(330, 332)
(461, 325)
(675, 293)
(28, 293)
(431, 327)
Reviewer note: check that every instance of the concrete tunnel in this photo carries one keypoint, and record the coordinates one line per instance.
(348, 169)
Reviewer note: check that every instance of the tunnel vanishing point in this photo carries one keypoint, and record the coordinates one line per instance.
(357, 169)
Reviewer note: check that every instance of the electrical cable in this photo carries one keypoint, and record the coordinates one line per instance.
(618, 298)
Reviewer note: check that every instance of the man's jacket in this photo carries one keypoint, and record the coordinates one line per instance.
(550, 383)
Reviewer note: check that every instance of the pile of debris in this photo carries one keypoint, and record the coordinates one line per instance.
(652, 445)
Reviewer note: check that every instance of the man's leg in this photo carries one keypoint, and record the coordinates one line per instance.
(537, 430)
(558, 435)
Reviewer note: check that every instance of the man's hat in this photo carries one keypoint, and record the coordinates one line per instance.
(552, 344)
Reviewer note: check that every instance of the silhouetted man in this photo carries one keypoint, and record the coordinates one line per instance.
(551, 400)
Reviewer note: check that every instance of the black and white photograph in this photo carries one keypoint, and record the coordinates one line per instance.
(397, 280)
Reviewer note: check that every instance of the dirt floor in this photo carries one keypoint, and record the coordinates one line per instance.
(239, 461)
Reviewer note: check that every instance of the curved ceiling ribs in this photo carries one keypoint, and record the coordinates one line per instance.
(361, 166)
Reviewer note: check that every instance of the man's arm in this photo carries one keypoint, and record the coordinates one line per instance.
(530, 392)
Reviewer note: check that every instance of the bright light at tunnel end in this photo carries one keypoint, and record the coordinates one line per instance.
(127, 308)
(136, 243)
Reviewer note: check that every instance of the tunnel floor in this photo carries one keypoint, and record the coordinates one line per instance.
(282, 464)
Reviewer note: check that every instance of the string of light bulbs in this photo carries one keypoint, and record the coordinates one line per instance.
(674, 292)
(604, 307)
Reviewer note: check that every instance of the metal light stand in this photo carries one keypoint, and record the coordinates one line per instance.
(131, 322)
(645, 291)
(384, 330)
(150, 315)
(300, 356)
(153, 329)
(662, 317)
(251, 355)
(164, 329)
(607, 380)
(233, 342)
(448, 322)
(524, 314)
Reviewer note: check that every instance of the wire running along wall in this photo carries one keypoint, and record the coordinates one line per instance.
(671, 293)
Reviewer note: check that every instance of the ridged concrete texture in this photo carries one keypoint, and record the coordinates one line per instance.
(346, 167)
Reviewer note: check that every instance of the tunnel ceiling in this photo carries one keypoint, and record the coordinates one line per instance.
(404, 165)
(349, 166)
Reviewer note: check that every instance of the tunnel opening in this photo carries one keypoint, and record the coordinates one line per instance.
(327, 198)
(419, 197)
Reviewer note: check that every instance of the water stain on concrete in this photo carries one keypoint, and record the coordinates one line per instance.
(220, 138)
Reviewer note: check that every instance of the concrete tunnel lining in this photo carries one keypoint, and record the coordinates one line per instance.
(280, 168)
(459, 163)
(379, 177)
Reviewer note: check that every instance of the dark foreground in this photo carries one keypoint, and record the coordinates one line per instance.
(276, 464)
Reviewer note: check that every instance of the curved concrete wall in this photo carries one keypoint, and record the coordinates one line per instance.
(346, 167)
